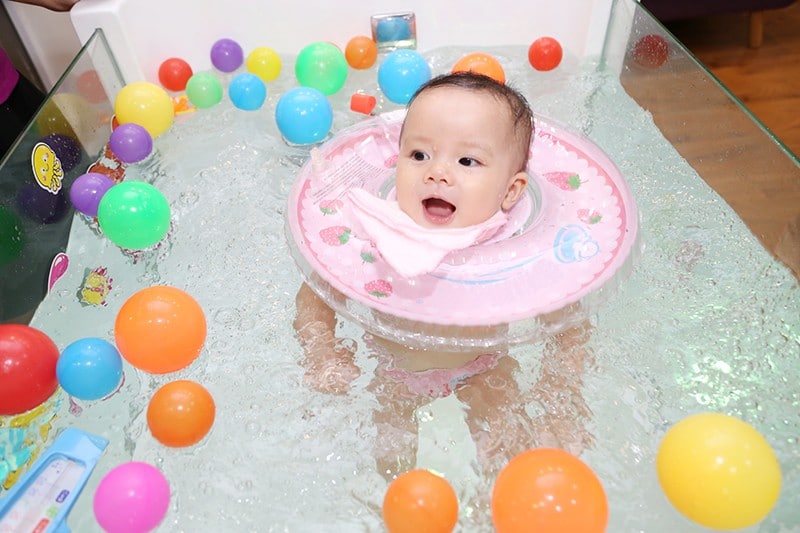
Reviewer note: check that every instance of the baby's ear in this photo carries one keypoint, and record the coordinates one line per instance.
(515, 189)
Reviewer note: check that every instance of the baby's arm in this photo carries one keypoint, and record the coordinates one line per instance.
(329, 361)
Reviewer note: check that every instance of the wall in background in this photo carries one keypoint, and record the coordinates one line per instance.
(49, 38)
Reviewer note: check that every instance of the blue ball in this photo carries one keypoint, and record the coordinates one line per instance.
(304, 115)
(247, 91)
(401, 73)
(89, 369)
(392, 29)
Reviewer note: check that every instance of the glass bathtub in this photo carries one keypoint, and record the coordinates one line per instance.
(708, 320)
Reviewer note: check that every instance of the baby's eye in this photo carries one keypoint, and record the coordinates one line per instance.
(468, 162)
(416, 155)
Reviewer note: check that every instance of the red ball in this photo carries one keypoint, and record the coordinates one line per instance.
(651, 51)
(545, 53)
(27, 368)
(174, 73)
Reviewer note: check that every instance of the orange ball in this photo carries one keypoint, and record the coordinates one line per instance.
(180, 413)
(420, 501)
(481, 63)
(548, 490)
(160, 329)
(361, 52)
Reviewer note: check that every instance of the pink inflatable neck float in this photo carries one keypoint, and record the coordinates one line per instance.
(564, 248)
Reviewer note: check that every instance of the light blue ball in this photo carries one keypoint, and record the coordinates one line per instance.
(89, 369)
(247, 91)
(401, 73)
(392, 29)
(304, 115)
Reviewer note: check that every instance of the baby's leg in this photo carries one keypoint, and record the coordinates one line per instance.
(396, 424)
(329, 361)
(558, 391)
(496, 416)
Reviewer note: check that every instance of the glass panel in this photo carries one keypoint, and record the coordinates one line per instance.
(711, 128)
(58, 145)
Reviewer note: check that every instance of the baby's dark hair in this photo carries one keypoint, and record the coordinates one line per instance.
(517, 104)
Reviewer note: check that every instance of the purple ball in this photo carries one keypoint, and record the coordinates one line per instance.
(130, 142)
(42, 206)
(66, 149)
(227, 55)
(87, 190)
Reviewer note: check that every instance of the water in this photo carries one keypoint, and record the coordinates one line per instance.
(708, 321)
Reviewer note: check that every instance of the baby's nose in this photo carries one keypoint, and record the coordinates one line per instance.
(438, 173)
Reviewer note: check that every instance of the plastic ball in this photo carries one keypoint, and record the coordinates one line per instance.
(718, 471)
(146, 104)
(481, 63)
(67, 114)
(12, 236)
(134, 215)
(87, 190)
(90, 87)
(89, 369)
(131, 497)
(651, 51)
(321, 66)
(130, 142)
(28, 360)
(66, 148)
(180, 413)
(545, 53)
(40, 205)
(420, 501)
(173, 73)
(304, 115)
(204, 90)
(391, 29)
(548, 490)
(226, 55)
(265, 63)
(401, 74)
(247, 91)
(160, 329)
(361, 52)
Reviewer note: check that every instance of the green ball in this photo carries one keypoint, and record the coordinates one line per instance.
(321, 66)
(134, 215)
(204, 90)
(12, 236)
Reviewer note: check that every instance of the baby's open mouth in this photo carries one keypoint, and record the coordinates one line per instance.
(438, 210)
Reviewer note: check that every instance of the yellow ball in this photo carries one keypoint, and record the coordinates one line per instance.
(718, 471)
(265, 63)
(67, 114)
(145, 104)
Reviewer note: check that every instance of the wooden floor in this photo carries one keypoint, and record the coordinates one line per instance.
(766, 79)
(755, 176)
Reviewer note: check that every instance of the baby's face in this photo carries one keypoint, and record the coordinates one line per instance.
(458, 161)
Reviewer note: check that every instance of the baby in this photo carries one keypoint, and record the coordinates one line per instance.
(462, 160)
(463, 151)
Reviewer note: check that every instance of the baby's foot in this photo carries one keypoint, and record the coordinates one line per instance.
(562, 431)
(395, 450)
(501, 439)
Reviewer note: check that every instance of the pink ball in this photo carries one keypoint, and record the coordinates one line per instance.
(133, 497)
